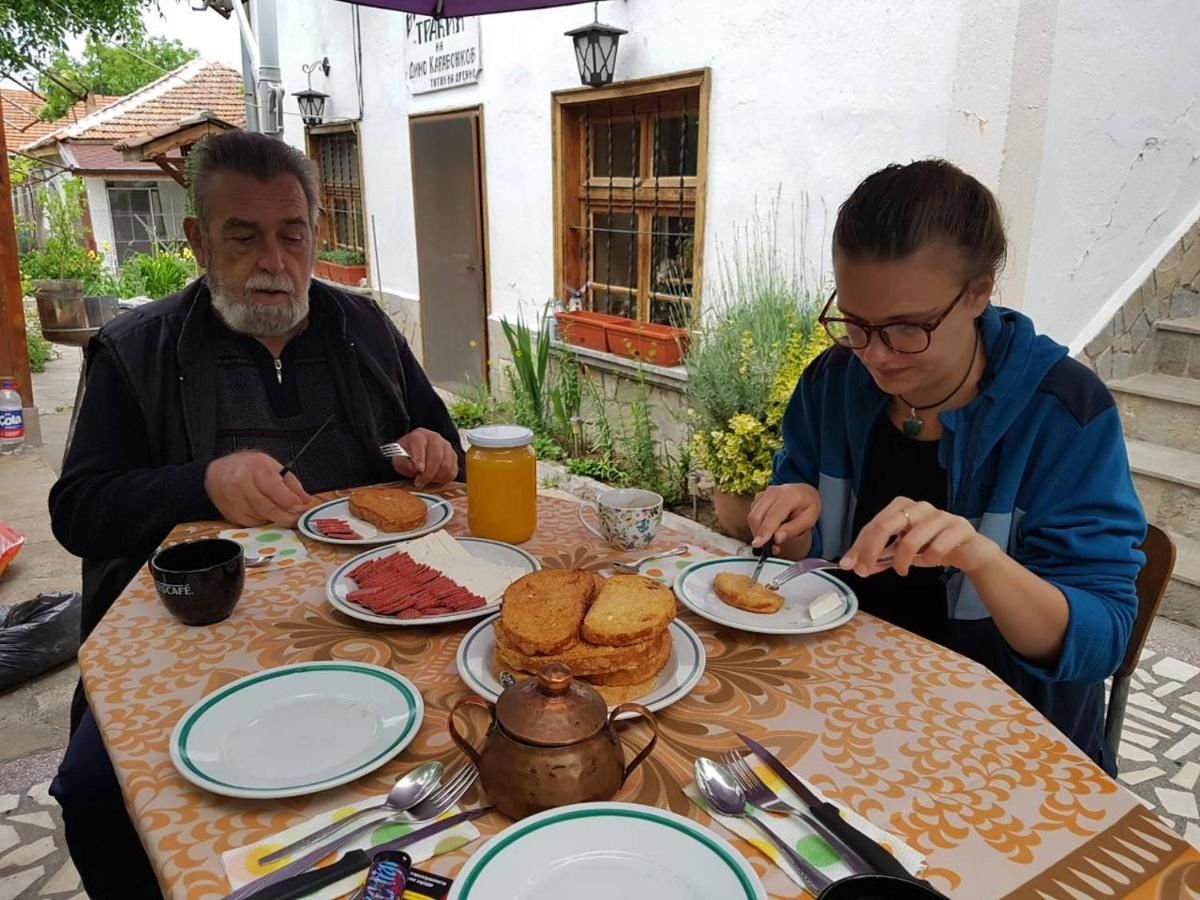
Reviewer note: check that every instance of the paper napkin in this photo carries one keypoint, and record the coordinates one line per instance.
(282, 543)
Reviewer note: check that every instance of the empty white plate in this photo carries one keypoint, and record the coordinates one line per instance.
(296, 729)
(694, 588)
(598, 851)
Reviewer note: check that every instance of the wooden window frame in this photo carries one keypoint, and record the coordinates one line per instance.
(312, 134)
(628, 194)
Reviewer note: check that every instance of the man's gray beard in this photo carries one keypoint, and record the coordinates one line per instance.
(245, 316)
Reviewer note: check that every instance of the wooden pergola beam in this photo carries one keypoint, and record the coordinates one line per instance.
(14, 352)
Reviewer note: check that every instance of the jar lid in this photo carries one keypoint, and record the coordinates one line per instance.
(552, 709)
(500, 436)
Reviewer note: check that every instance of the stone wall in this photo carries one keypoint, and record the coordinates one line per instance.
(1172, 291)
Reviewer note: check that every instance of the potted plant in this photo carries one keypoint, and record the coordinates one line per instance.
(343, 266)
(59, 272)
(659, 345)
(742, 370)
(586, 329)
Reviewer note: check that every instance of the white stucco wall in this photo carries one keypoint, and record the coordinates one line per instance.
(102, 230)
(1120, 177)
(807, 102)
(1081, 114)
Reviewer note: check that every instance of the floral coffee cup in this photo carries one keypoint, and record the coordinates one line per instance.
(629, 518)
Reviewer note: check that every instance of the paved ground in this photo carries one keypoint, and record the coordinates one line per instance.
(1159, 753)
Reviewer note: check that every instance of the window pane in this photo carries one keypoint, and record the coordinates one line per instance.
(615, 149)
(615, 246)
(613, 303)
(674, 251)
(677, 148)
(676, 313)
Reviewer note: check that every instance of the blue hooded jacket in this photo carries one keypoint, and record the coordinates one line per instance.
(1037, 463)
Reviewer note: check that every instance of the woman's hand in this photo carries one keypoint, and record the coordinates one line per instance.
(918, 534)
(782, 513)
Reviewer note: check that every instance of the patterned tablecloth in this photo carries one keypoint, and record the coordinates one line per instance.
(921, 741)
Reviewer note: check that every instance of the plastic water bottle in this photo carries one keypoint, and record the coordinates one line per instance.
(12, 420)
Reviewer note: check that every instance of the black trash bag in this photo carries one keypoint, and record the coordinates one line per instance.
(37, 635)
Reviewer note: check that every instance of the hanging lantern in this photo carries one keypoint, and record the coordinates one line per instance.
(596, 52)
(312, 103)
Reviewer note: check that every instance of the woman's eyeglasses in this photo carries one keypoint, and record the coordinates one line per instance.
(903, 337)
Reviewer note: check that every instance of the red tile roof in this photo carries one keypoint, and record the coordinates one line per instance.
(194, 86)
(22, 125)
(102, 158)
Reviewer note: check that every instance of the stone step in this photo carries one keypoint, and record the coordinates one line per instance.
(1160, 409)
(1177, 347)
(1168, 481)
(1181, 602)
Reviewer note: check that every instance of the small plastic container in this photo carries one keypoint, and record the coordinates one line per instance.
(501, 483)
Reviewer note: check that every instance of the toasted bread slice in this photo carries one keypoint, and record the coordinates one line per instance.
(629, 610)
(616, 694)
(584, 659)
(739, 591)
(388, 509)
(649, 668)
(541, 612)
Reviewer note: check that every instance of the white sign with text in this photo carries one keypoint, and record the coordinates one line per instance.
(441, 53)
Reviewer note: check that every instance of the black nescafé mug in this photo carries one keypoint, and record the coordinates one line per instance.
(200, 582)
(880, 887)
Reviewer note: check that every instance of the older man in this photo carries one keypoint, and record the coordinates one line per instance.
(193, 403)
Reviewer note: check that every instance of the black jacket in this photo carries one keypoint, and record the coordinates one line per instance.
(147, 428)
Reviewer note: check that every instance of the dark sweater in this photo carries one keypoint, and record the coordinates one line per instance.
(148, 426)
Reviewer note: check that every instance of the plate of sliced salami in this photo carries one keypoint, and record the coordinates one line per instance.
(427, 581)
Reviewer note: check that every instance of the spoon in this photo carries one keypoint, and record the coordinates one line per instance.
(634, 567)
(725, 796)
(253, 562)
(406, 793)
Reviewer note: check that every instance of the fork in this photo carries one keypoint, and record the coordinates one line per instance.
(633, 568)
(764, 798)
(804, 566)
(429, 808)
(394, 451)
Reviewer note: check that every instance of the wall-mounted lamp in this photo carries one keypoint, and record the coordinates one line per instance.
(596, 50)
(312, 103)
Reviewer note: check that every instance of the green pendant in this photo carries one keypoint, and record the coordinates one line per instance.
(913, 425)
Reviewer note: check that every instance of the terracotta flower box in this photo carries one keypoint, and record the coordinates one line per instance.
(658, 345)
(586, 329)
(349, 275)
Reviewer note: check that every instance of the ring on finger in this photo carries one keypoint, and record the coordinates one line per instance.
(907, 518)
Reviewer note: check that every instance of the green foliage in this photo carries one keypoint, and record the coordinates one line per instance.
(343, 257)
(744, 367)
(109, 67)
(31, 30)
(598, 468)
(156, 274)
(566, 397)
(64, 255)
(529, 372)
(467, 413)
(41, 351)
(546, 448)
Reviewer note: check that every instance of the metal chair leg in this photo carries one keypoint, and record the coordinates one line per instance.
(79, 388)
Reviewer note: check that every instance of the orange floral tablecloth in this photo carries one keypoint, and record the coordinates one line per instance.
(920, 740)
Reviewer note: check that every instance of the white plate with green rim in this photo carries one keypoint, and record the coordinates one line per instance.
(597, 851)
(340, 583)
(438, 512)
(296, 729)
(694, 588)
(477, 650)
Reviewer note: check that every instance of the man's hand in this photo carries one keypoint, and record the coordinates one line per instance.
(432, 459)
(782, 513)
(247, 490)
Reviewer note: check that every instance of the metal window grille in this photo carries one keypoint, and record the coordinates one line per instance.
(341, 188)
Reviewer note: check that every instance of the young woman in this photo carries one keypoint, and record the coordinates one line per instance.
(970, 477)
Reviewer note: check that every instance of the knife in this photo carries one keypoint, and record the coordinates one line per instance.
(305, 883)
(763, 552)
(827, 814)
(292, 462)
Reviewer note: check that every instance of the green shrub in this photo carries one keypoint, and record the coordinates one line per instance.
(41, 351)
(64, 255)
(343, 257)
(156, 274)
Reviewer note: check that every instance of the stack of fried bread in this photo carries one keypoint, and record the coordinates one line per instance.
(612, 633)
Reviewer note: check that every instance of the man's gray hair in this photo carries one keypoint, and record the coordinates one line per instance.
(253, 154)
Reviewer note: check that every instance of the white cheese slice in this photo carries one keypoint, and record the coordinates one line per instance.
(825, 605)
(439, 550)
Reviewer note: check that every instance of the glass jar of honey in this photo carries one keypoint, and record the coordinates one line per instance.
(501, 483)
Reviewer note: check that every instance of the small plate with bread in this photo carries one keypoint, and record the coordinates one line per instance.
(619, 634)
(376, 515)
(721, 591)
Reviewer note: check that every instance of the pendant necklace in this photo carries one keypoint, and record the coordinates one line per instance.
(913, 423)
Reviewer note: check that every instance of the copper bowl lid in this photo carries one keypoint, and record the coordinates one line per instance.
(554, 709)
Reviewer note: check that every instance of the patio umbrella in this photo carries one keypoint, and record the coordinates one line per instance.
(455, 8)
